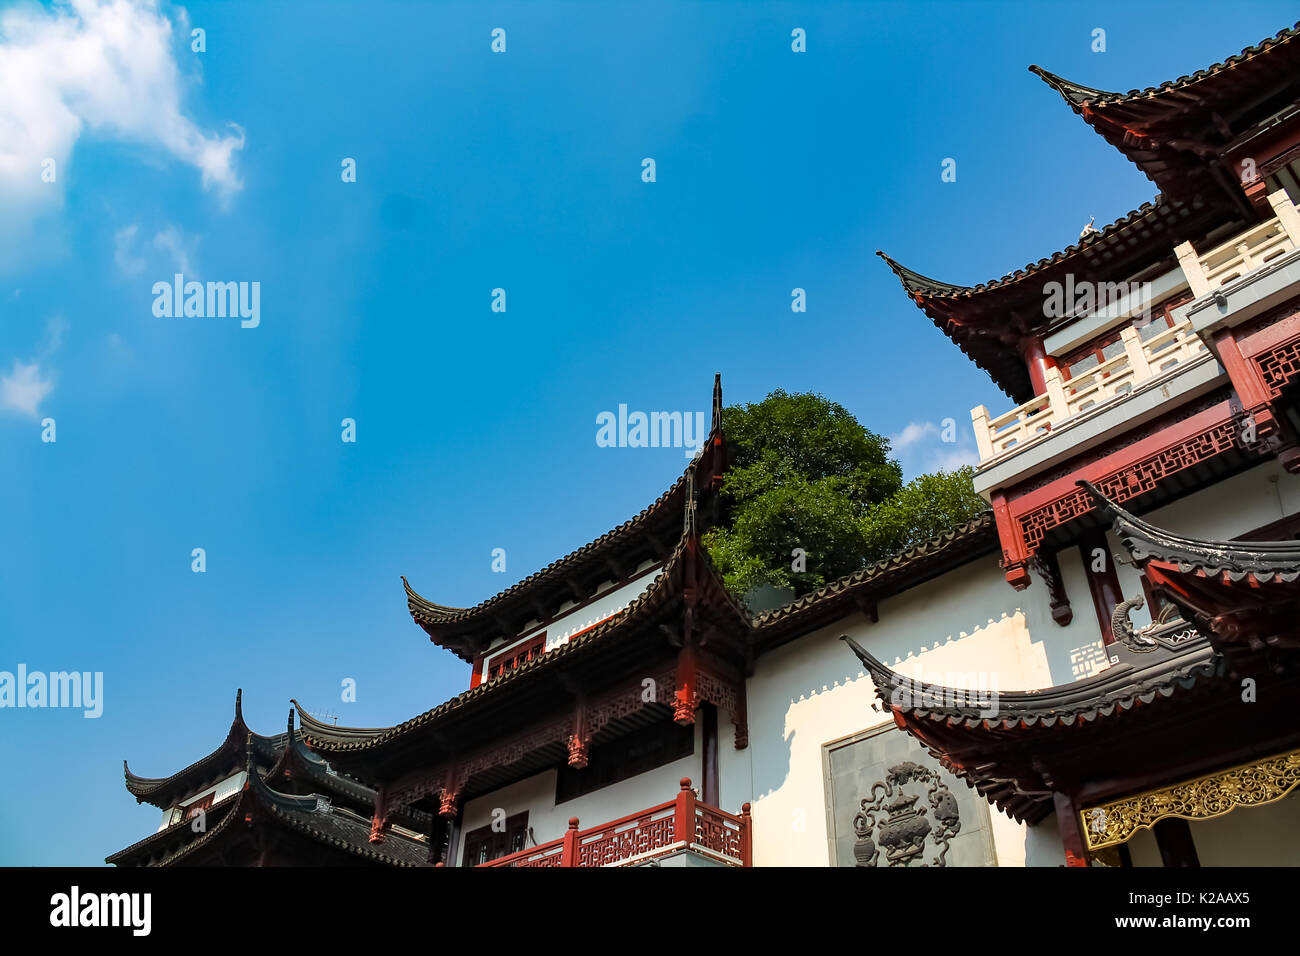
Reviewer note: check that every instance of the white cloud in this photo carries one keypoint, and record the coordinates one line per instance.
(102, 67)
(913, 434)
(124, 254)
(25, 388)
(178, 250)
(921, 450)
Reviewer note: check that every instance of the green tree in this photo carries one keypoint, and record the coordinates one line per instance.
(922, 509)
(806, 478)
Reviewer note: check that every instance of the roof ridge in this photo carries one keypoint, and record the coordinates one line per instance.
(1077, 95)
(891, 562)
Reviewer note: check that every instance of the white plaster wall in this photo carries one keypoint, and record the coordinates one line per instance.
(1042, 845)
(1251, 836)
(735, 767)
(963, 629)
(559, 631)
(232, 784)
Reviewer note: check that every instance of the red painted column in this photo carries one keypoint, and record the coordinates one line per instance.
(684, 814)
(569, 853)
(1037, 361)
(746, 837)
(1103, 585)
(1071, 828)
(1256, 397)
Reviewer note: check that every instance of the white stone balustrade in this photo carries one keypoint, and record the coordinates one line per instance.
(1243, 254)
(1064, 398)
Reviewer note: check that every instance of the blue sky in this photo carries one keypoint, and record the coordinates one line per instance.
(475, 429)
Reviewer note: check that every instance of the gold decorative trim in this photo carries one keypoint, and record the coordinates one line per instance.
(1248, 785)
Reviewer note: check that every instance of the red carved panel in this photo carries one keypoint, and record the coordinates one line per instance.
(548, 854)
(644, 834)
(1129, 481)
(1280, 365)
(717, 831)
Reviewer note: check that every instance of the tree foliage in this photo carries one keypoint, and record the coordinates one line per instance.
(806, 477)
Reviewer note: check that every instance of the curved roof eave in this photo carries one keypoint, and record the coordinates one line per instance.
(1084, 97)
(159, 790)
(433, 617)
(1236, 559)
(325, 738)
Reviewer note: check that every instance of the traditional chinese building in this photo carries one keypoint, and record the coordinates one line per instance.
(1098, 670)
(257, 800)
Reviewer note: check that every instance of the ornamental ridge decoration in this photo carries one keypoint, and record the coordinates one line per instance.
(1248, 785)
(890, 822)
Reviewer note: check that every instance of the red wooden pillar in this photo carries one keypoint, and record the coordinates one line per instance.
(684, 814)
(1037, 361)
(1071, 827)
(1256, 397)
(746, 837)
(569, 851)
(1103, 585)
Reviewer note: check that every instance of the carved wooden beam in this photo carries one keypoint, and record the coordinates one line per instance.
(1049, 569)
(868, 607)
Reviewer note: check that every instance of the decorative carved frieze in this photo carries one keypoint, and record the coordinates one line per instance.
(1130, 481)
(1248, 785)
(1278, 366)
(575, 731)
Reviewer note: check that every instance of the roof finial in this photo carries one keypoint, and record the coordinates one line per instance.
(717, 402)
(688, 520)
(1090, 229)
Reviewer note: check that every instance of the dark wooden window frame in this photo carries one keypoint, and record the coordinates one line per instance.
(517, 656)
(190, 809)
(484, 844)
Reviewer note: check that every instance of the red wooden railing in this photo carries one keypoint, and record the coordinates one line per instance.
(682, 823)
